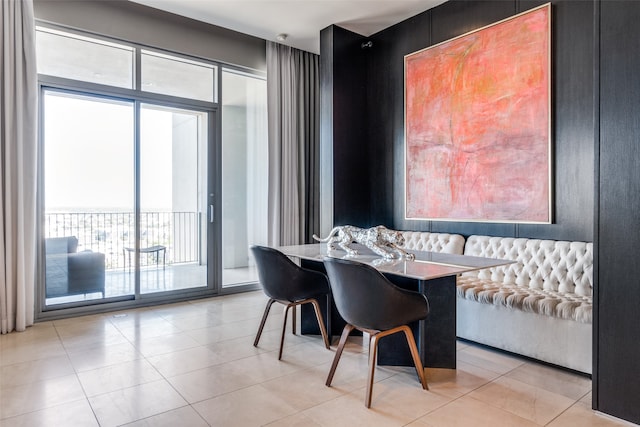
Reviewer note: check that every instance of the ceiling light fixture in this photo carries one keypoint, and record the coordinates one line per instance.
(281, 37)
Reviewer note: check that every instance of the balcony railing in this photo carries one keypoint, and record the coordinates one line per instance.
(111, 232)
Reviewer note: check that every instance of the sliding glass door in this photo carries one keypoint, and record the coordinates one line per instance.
(89, 196)
(125, 198)
(172, 250)
(153, 173)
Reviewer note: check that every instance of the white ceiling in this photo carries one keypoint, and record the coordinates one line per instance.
(301, 20)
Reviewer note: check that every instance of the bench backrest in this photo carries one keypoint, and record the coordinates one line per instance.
(551, 265)
(433, 242)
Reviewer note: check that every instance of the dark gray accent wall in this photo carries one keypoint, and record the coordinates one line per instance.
(572, 108)
(572, 116)
(151, 27)
(617, 368)
(344, 146)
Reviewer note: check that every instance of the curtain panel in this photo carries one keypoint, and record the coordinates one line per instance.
(293, 120)
(18, 124)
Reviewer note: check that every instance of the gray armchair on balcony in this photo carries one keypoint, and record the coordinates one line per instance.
(68, 272)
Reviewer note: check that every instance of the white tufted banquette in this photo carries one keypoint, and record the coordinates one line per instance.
(433, 242)
(540, 306)
(552, 278)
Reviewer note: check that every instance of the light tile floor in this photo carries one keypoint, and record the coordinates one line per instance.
(193, 364)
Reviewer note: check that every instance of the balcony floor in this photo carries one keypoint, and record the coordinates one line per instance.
(158, 279)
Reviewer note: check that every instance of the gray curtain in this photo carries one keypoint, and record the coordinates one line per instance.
(18, 121)
(294, 139)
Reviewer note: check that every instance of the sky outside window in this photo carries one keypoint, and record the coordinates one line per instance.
(89, 155)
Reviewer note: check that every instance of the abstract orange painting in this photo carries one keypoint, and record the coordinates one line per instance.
(477, 124)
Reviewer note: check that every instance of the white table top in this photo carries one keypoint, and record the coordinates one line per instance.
(427, 265)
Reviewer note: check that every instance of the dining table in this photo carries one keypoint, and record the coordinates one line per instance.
(433, 274)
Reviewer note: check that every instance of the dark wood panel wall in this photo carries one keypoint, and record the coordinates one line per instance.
(381, 108)
(617, 390)
(572, 79)
(344, 132)
(596, 153)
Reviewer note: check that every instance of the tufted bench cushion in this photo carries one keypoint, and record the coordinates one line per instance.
(433, 242)
(550, 278)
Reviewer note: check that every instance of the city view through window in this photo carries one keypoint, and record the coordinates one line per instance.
(135, 200)
(89, 175)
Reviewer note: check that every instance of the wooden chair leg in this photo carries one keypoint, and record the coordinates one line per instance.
(373, 350)
(284, 329)
(294, 320)
(264, 320)
(416, 356)
(343, 340)
(323, 330)
(292, 306)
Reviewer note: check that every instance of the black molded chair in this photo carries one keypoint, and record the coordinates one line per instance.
(285, 282)
(369, 302)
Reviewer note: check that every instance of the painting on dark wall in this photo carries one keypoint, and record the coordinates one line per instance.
(477, 124)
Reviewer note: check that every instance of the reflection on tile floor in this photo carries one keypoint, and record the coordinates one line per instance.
(194, 364)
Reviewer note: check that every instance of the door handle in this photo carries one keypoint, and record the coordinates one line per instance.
(211, 214)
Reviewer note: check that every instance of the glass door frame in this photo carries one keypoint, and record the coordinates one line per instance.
(213, 234)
